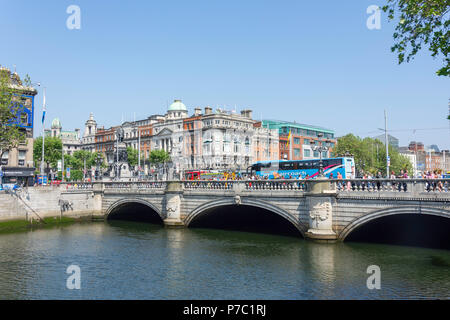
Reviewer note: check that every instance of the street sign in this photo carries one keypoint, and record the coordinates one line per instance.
(68, 173)
(59, 165)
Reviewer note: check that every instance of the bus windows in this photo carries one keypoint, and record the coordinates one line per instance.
(288, 165)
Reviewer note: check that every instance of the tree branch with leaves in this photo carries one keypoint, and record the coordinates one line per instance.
(421, 23)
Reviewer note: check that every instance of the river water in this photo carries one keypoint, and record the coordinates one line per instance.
(125, 260)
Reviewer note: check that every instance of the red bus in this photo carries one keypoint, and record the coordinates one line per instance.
(193, 174)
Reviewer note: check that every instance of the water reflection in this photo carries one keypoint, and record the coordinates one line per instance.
(123, 260)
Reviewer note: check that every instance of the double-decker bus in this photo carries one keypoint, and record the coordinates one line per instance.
(304, 169)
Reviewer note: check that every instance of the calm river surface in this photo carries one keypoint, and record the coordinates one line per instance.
(124, 260)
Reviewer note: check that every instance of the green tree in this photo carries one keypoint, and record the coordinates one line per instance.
(76, 163)
(75, 175)
(10, 135)
(85, 157)
(160, 158)
(132, 156)
(72, 162)
(370, 155)
(52, 151)
(421, 23)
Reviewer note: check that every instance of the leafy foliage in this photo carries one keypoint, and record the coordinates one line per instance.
(421, 23)
(132, 156)
(159, 157)
(76, 161)
(52, 151)
(370, 155)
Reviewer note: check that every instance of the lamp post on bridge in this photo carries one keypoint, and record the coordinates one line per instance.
(320, 148)
(98, 170)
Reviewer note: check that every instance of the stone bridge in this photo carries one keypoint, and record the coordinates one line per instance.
(324, 210)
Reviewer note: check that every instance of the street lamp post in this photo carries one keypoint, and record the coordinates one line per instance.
(43, 138)
(62, 162)
(98, 162)
(320, 148)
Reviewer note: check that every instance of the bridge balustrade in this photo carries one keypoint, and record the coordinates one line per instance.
(136, 185)
(340, 186)
(77, 186)
(210, 185)
(276, 185)
(393, 185)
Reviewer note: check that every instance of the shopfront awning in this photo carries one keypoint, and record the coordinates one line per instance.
(18, 172)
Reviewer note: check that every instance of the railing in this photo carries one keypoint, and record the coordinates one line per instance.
(209, 185)
(77, 186)
(299, 185)
(340, 186)
(136, 185)
(393, 185)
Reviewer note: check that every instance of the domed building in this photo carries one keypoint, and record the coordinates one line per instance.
(70, 139)
(56, 128)
(177, 110)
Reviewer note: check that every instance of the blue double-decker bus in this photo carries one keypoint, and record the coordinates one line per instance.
(304, 169)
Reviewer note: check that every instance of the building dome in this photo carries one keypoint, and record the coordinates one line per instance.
(177, 105)
(56, 124)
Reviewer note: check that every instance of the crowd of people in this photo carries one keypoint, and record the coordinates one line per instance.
(432, 178)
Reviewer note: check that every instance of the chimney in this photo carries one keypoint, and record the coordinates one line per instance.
(247, 113)
(208, 110)
(78, 133)
(197, 111)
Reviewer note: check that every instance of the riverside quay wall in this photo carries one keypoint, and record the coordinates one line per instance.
(48, 201)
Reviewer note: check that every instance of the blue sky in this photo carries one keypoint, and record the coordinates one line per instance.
(312, 62)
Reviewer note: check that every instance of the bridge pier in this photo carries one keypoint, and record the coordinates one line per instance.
(173, 195)
(320, 212)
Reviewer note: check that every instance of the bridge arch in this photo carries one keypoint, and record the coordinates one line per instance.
(405, 210)
(245, 202)
(123, 203)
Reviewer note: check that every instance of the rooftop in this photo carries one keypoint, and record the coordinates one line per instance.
(276, 124)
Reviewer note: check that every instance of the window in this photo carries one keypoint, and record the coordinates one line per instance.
(307, 153)
(22, 154)
(297, 153)
(289, 165)
(316, 154)
(5, 158)
(296, 140)
(306, 141)
(24, 118)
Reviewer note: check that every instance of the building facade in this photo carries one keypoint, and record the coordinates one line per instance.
(393, 141)
(426, 159)
(17, 165)
(90, 129)
(209, 140)
(297, 141)
(71, 140)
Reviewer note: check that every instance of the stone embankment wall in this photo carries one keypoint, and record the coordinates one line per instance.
(47, 201)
